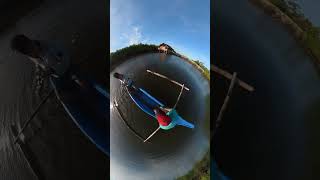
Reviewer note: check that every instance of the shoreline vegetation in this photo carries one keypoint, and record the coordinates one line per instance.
(201, 170)
(304, 31)
(119, 56)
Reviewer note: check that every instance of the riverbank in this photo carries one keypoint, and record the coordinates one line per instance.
(287, 12)
(200, 170)
(118, 57)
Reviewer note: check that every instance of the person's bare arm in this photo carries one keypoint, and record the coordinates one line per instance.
(166, 110)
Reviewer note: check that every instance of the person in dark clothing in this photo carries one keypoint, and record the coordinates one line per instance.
(49, 57)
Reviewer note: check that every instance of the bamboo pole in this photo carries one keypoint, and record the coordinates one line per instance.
(165, 77)
(127, 124)
(178, 97)
(33, 115)
(226, 100)
(152, 134)
(229, 76)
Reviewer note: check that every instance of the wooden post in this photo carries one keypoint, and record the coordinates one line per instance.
(226, 100)
(229, 76)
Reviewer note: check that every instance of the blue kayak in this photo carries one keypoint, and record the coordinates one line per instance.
(144, 100)
(147, 103)
(87, 105)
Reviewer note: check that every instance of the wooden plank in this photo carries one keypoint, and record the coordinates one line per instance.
(226, 100)
(165, 77)
(229, 76)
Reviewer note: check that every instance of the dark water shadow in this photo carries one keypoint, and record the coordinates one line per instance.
(264, 134)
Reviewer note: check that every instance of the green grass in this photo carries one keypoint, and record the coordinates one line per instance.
(201, 170)
(206, 72)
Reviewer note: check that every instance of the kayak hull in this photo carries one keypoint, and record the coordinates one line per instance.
(143, 100)
(87, 107)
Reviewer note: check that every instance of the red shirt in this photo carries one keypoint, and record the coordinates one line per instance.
(163, 119)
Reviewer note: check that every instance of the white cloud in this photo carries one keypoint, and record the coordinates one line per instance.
(124, 24)
(135, 36)
(132, 36)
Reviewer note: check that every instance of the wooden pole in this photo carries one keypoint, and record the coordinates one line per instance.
(229, 76)
(127, 124)
(165, 77)
(33, 115)
(178, 97)
(226, 100)
(152, 134)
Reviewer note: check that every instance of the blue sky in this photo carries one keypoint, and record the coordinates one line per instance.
(183, 24)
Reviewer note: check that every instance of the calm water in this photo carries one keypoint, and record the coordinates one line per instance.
(58, 146)
(272, 132)
(171, 153)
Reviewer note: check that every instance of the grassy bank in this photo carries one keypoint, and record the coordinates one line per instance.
(289, 14)
(201, 170)
(118, 57)
(197, 64)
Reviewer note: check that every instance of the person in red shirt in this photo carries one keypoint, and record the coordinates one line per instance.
(162, 117)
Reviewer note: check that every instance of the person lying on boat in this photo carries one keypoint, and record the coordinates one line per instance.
(51, 59)
(169, 118)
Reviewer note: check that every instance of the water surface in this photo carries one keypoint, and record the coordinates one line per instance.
(270, 133)
(170, 153)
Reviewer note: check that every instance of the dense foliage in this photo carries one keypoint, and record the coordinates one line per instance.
(200, 170)
(121, 55)
(311, 34)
